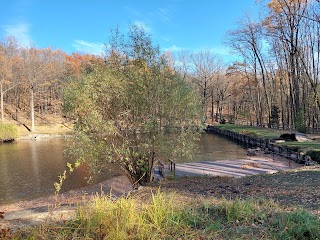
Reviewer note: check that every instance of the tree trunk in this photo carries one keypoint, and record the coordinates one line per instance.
(212, 108)
(2, 110)
(32, 108)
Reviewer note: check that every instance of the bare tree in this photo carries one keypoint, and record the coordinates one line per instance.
(205, 66)
(8, 57)
(39, 66)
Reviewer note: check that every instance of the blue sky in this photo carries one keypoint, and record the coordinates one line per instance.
(84, 26)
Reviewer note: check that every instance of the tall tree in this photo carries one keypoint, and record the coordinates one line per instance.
(284, 23)
(247, 40)
(39, 66)
(133, 110)
(8, 57)
(205, 66)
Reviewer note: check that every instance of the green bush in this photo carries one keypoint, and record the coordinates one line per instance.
(8, 132)
(315, 155)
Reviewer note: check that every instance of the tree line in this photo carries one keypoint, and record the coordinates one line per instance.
(32, 80)
(281, 58)
(275, 82)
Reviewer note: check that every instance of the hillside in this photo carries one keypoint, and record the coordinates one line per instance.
(49, 123)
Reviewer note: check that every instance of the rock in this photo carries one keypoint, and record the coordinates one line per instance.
(288, 137)
(251, 152)
(302, 138)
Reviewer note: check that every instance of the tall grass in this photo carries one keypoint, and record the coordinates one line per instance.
(8, 132)
(163, 216)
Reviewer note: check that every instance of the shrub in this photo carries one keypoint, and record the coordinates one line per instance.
(315, 155)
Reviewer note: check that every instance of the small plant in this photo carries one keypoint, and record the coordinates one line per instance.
(315, 155)
(5, 233)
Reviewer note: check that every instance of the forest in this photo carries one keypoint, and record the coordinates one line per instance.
(273, 84)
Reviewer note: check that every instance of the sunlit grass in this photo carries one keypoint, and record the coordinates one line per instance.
(266, 133)
(8, 132)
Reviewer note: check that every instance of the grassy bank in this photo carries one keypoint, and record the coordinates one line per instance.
(8, 132)
(311, 148)
(265, 133)
(257, 207)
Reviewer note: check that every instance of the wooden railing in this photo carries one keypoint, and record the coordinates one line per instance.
(161, 168)
(172, 167)
(249, 141)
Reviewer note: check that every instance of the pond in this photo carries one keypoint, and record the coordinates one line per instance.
(28, 168)
(212, 147)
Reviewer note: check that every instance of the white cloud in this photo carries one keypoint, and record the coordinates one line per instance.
(89, 47)
(173, 48)
(221, 51)
(21, 32)
(225, 53)
(164, 14)
(142, 25)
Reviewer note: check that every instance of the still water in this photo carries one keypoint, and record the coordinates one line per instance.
(213, 147)
(29, 168)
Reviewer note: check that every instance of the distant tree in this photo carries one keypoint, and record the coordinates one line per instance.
(78, 65)
(274, 119)
(40, 66)
(8, 58)
(205, 67)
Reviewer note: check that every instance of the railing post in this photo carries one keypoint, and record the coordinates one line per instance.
(172, 167)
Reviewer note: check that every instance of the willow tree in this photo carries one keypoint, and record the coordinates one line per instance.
(133, 110)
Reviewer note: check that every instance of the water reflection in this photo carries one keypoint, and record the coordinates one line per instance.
(212, 147)
(29, 169)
